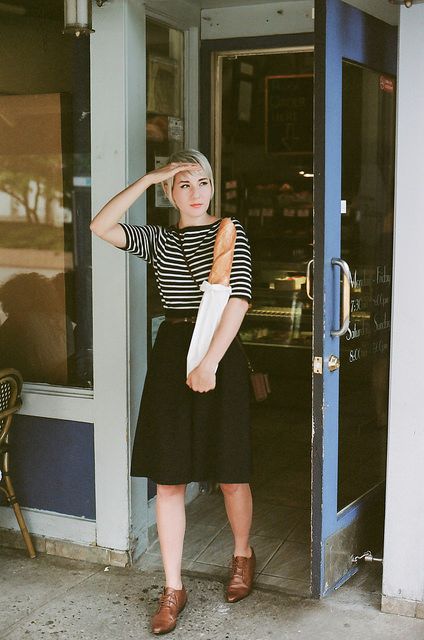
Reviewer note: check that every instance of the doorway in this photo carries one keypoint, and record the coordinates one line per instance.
(262, 146)
(263, 162)
(302, 143)
(267, 184)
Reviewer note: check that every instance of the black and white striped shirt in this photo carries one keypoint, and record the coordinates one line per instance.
(160, 246)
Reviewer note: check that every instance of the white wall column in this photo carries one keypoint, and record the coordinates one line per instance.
(118, 75)
(403, 571)
(136, 89)
(118, 150)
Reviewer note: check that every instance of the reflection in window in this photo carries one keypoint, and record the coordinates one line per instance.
(45, 247)
(369, 103)
(165, 134)
(164, 127)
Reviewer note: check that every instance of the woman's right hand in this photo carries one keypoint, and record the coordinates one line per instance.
(106, 223)
(170, 170)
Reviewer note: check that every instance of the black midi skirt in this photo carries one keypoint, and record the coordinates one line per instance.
(183, 435)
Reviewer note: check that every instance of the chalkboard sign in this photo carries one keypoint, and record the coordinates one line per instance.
(289, 114)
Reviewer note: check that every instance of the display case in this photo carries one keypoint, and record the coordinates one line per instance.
(264, 169)
(281, 312)
(277, 329)
(278, 221)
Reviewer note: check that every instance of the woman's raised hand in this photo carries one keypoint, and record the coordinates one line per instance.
(105, 223)
(170, 170)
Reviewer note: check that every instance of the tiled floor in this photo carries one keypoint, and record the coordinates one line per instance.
(280, 531)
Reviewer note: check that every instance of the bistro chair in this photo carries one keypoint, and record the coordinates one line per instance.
(10, 402)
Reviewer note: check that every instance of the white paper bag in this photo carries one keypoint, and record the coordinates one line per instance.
(215, 297)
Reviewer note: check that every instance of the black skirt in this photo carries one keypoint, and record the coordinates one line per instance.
(185, 436)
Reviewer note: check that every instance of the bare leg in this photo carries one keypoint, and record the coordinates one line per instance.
(238, 504)
(171, 521)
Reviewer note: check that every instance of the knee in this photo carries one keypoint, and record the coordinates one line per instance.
(231, 489)
(170, 490)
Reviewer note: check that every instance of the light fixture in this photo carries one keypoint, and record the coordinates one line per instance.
(406, 3)
(77, 17)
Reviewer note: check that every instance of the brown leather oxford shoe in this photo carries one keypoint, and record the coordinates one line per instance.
(241, 579)
(171, 603)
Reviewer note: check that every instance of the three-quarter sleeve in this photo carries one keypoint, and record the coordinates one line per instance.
(241, 271)
(141, 240)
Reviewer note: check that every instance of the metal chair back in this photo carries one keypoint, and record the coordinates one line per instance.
(10, 402)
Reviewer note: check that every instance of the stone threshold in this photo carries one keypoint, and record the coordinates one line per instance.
(402, 607)
(66, 549)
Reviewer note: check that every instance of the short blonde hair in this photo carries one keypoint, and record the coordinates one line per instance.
(187, 155)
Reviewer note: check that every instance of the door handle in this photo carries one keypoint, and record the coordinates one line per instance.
(308, 279)
(346, 285)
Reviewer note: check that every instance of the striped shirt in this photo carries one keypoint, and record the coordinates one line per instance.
(160, 247)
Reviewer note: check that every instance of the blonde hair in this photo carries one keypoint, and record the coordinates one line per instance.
(187, 155)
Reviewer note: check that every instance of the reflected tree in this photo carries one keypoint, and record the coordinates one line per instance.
(27, 178)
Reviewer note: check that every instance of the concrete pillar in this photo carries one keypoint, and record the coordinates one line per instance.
(403, 574)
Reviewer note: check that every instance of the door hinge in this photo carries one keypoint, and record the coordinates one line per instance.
(317, 367)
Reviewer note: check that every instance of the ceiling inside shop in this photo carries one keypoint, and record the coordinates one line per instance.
(379, 8)
(219, 4)
(53, 9)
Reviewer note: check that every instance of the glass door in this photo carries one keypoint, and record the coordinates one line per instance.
(355, 62)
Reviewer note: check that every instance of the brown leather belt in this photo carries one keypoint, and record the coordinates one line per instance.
(182, 319)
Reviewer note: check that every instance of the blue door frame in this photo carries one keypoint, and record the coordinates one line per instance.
(342, 32)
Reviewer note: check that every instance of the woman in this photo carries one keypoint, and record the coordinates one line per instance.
(193, 428)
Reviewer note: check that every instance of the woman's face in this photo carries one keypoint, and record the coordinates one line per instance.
(192, 192)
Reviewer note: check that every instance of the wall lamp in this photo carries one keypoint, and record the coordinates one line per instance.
(406, 3)
(77, 17)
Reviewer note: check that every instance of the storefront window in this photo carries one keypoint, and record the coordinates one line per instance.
(165, 135)
(45, 195)
(165, 131)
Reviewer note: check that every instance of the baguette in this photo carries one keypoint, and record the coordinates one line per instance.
(223, 253)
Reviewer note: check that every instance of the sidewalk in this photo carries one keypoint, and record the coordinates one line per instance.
(52, 597)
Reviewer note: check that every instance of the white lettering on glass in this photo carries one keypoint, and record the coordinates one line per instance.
(381, 324)
(382, 276)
